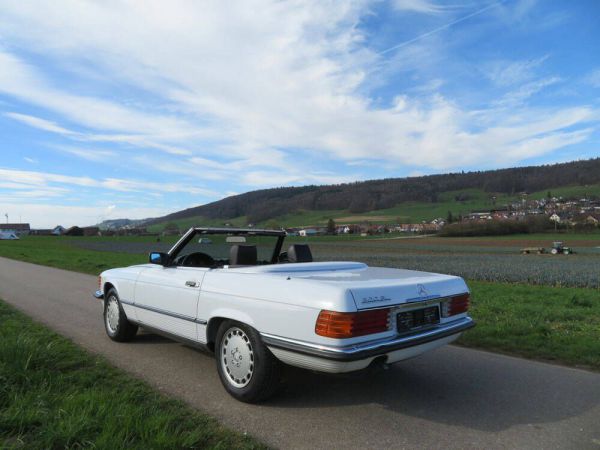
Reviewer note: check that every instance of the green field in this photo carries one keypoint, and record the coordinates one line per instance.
(55, 395)
(408, 212)
(545, 312)
(540, 322)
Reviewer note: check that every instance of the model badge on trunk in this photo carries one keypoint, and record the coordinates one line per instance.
(381, 298)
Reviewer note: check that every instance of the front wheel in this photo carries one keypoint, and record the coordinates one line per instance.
(248, 370)
(118, 328)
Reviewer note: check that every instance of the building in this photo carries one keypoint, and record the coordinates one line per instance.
(58, 230)
(91, 231)
(74, 231)
(41, 232)
(20, 229)
(307, 232)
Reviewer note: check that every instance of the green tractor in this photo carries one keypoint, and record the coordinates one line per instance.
(559, 248)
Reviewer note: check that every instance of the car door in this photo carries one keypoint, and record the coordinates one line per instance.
(167, 298)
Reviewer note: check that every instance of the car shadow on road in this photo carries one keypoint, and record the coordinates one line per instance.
(147, 337)
(455, 387)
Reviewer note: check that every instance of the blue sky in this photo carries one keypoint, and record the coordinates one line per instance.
(136, 109)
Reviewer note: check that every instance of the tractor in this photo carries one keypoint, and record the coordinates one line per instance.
(559, 248)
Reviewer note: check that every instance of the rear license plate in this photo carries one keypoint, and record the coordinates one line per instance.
(417, 318)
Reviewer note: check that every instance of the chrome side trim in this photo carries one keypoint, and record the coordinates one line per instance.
(360, 351)
(99, 295)
(166, 313)
(176, 337)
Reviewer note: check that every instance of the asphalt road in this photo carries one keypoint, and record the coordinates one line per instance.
(449, 398)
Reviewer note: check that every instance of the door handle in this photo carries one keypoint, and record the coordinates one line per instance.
(191, 283)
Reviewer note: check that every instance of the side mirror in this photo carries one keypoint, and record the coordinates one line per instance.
(159, 258)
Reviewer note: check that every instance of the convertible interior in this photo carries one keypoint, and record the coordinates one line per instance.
(213, 250)
(244, 255)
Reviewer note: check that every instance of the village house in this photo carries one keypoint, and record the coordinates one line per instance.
(20, 229)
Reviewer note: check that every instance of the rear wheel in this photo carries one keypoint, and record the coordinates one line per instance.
(118, 328)
(247, 368)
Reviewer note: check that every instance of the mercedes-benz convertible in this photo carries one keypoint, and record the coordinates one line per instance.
(239, 294)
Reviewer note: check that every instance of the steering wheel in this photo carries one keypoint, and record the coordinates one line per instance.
(197, 259)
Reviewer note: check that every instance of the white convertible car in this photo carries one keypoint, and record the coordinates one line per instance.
(235, 293)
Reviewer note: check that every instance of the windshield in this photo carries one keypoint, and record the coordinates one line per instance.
(206, 249)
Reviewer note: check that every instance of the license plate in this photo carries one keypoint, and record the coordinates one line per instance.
(417, 318)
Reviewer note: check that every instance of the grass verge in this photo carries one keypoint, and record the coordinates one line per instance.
(53, 394)
(59, 252)
(543, 322)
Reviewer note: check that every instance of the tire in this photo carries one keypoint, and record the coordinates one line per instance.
(117, 327)
(554, 251)
(248, 370)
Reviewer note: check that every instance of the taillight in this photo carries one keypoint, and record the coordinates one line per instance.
(456, 305)
(341, 325)
(99, 283)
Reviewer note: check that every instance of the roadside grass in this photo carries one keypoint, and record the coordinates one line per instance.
(53, 394)
(543, 322)
(58, 252)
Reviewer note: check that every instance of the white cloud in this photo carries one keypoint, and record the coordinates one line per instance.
(527, 90)
(89, 154)
(508, 73)
(593, 78)
(44, 215)
(44, 180)
(419, 6)
(236, 86)
(39, 123)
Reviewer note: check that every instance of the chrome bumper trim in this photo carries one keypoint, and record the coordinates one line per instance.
(361, 351)
(99, 295)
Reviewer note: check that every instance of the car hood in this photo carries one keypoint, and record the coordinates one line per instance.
(371, 287)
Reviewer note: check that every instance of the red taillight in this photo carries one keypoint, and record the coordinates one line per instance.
(456, 305)
(341, 325)
(99, 283)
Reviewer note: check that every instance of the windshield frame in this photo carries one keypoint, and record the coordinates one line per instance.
(194, 232)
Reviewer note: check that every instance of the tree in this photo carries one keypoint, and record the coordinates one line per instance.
(331, 226)
(450, 217)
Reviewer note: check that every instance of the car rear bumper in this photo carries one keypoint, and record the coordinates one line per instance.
(355, 357)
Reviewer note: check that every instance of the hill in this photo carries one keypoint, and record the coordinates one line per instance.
(414, 198)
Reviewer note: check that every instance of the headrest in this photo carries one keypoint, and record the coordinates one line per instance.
(242, 255)
(299, 253)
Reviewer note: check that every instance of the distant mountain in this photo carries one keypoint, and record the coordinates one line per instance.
(365, 196)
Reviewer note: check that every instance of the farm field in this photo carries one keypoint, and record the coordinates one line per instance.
(483, 259)
(539, 306)
(55, 395)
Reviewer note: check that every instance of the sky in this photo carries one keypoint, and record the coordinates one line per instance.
(136, 109)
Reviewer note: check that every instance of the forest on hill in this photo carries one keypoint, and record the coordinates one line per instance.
(364, 196)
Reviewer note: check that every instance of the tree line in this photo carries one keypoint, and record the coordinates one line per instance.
(364, 196)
